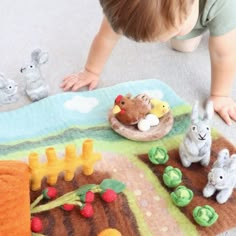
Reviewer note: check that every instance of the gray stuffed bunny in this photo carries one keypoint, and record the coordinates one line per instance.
(36, 88)
(196, 145)
(8, 90)
(222, 177)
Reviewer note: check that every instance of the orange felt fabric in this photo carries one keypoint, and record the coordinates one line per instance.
(14, 199)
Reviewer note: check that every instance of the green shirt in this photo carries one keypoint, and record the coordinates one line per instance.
(217, 16)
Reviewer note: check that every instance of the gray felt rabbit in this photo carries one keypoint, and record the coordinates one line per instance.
(196, 145)
(36, 87)
(8, 90)
(222, 177)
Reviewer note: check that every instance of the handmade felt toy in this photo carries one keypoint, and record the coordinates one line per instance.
(182, 196)
(222, 177)
(149, 121)
(172, 177)
(130, 111)
(158, 155)
(8, 90)
(205, 215)
(196, 145)
(110, 232)
(131, 118)
(15, 198)
(36, 87)
(159, 108)
(223, 158)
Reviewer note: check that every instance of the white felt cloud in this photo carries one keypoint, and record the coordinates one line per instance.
(81, 104)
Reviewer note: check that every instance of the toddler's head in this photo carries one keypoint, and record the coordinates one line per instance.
(151, 20)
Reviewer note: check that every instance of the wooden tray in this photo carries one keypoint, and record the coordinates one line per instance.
(132, 132)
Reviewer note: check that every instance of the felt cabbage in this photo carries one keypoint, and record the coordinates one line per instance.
(172, 176)
(205, 215)
(158, 155)
(182, 196)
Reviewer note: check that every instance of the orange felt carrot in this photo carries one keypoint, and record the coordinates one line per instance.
(14, 199)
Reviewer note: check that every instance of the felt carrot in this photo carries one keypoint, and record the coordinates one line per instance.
(15, 199)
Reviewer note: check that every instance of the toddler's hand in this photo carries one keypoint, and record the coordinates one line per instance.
(225, 107)
(76, 81)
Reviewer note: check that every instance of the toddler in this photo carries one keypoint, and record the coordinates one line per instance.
(180, 21)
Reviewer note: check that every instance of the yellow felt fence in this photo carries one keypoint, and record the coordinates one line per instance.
(68, 164)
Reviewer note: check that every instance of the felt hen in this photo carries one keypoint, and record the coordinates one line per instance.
(130, 110)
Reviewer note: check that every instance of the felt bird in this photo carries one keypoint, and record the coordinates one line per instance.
(159, 108)
(130, 110)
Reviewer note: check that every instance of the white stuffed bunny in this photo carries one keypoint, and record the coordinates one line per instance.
(8, 90)
(196, 145)
(222, 177)
(223, 158)
(36, 88)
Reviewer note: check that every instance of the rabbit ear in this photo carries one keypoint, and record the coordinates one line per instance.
(35, 56)
(43, 58)
(2, 80)
(209, 111)
(38, 57)
(222, 157)
(224, 153)
(194, 115)
(232, 165)
(2, 75)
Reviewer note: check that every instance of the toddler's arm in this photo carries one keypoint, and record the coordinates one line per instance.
(100, 50)
(223, 71)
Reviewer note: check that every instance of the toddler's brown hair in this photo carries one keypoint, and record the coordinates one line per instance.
(145, 20)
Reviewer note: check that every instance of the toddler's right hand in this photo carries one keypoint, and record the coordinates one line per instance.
(77, 81)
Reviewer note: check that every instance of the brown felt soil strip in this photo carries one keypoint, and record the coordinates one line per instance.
(195, 178)
(117, 214)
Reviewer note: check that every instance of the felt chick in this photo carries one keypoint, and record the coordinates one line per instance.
(159, 108)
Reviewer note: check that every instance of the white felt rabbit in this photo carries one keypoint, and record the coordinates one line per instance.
(222, 177)
(36, 87)
(8, 90)
(196, 145)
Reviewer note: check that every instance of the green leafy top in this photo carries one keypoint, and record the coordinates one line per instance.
(182, 196)
(205, 215)
(158, 155)
(116, 185)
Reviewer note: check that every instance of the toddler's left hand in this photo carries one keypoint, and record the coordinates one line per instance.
(225, 107)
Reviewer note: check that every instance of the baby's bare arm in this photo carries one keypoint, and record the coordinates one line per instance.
(101, 48)
(223, 71)
(99, 53)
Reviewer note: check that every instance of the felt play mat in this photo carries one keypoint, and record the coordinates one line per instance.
(144, 207)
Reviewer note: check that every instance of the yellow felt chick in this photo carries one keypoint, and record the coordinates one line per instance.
(159, 108)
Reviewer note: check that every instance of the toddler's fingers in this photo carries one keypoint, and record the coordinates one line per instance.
(68, 85)
(93, 85)
(232, 113)
(69, 81)
(79, 84)
(63, 84)
(70, 77)
(225, 116)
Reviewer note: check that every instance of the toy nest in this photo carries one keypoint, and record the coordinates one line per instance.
(133, 133)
